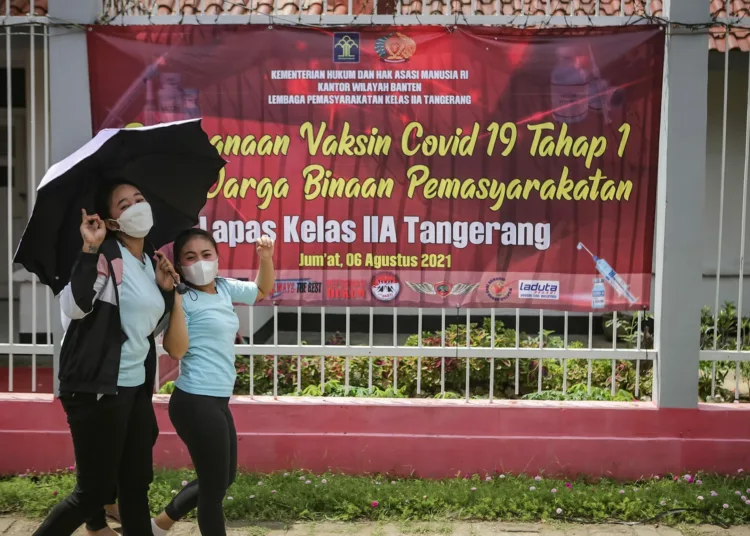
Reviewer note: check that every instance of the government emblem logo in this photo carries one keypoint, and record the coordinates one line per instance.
(395, 48)
(346, 47)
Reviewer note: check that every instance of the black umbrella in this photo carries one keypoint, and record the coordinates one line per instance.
(173, 165)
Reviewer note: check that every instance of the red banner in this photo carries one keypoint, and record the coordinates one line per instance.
(419, 166)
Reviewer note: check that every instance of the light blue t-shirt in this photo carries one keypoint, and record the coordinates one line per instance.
(141, 308)
(208, 365)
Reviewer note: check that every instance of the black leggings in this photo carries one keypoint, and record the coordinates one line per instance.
(99, 521)
(205, 425)
(112, 440)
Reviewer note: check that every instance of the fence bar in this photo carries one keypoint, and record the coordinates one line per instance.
(348, 325)
(31, 196)
(299, 343)
(47, 293)
(743, 226)
(638, 361)
(419, 358)
(565, 361)
(322, 326)
(395, 327)
(395, 373)
(275, 356)
(518, 346)
(468, 345)
(9, 127)
(369, 364)
(737, 376)
(442, 345)
(724, 115)
(395, 343)
(492, 359)
(541, 346)
(251, 339)
(323, 357)
(346, 375)
(615, 330)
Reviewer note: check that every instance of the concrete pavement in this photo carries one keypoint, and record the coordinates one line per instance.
(24, 527)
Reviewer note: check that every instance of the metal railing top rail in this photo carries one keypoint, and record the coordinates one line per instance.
(518, 21)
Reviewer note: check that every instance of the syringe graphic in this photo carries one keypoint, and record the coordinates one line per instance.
(610, 276)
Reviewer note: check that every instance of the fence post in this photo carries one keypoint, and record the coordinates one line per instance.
(680, 207)
(70, 104)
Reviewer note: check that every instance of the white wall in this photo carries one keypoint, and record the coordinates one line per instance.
(733, 182)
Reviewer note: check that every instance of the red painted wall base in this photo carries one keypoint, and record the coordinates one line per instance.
(425, 438)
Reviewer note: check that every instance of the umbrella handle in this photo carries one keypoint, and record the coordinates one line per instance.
(179, 287)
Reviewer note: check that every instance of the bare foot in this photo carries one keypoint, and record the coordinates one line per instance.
(164, 522)
(112, 511)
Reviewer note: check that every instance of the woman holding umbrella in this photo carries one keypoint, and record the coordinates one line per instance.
(97, 219)
(115, 299)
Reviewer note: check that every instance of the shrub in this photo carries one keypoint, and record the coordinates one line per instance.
(721, 334)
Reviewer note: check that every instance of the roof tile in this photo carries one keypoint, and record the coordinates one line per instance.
(739, 39)
(16, 8)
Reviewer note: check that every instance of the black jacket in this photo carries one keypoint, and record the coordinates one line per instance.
(91, 348)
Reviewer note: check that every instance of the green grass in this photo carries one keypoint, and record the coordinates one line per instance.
(289, 497)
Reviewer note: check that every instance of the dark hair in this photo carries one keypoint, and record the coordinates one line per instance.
(186, 236)
(103, 197)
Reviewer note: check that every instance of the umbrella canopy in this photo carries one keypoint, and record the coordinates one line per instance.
(173, 164)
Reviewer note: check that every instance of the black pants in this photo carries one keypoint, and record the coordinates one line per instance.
(99, 521)
(205, 425)
(112, 440)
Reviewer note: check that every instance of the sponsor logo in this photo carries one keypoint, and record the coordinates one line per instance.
(395, 48)
(345, 289)
(385, 287)
(442, 289)
(296, 286)
(346, 47)
(539, 290)
(497, 289)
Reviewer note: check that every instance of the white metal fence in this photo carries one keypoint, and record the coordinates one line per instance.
(27, 312)
(302, 346)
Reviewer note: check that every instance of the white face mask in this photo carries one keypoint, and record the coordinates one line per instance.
(137, 220)
(201, 273)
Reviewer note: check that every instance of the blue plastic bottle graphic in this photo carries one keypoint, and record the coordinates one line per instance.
(171, 106)
(190, 103)
(598, 294)
(569, 84)
(612, 278)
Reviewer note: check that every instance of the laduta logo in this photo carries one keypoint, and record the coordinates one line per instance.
(442, 289)
(497, 289)
(346, 47)
(539, 290)
(385, 287)
(395, 48)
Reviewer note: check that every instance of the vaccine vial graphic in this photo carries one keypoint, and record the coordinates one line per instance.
(569, 84)
(610, 276)
(170, 96)
(598, 294)
(190, 103)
